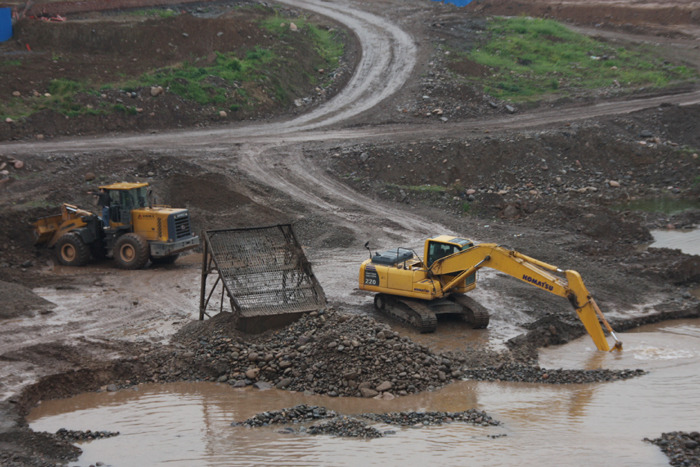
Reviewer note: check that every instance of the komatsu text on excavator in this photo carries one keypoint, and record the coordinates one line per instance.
(415, 290)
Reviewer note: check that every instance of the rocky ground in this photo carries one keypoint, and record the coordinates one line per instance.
(682, 448)
(345, 426)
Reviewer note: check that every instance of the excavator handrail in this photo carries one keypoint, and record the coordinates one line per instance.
(532, 271)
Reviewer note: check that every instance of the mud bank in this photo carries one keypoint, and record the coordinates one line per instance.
(283, 359)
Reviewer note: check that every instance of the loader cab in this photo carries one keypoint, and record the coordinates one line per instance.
(125, 197)
(444, 245)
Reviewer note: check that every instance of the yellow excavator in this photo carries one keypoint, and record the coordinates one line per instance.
(137, 232)
(416, 291)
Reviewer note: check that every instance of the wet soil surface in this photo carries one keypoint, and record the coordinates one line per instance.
(548, 187)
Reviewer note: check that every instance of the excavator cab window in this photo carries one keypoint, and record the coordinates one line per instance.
(437, 250)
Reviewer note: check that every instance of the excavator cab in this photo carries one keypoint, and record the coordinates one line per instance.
(444, 245)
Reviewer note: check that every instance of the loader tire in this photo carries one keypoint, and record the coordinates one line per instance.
(164, 259)
(131, 251)
(71, 250)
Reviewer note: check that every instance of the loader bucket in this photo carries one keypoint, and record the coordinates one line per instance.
(264, 273)
(45, 228)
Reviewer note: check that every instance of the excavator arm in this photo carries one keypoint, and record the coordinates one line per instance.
(451, 270)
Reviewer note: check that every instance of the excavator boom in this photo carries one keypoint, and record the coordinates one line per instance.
(537, 273)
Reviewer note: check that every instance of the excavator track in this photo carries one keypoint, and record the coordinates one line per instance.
(412, 312)
(474, 313)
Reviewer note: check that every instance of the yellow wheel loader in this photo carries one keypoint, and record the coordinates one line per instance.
(137, 231)
(416, 291)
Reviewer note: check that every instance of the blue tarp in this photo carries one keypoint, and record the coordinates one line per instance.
(5, 24)
(455, 2)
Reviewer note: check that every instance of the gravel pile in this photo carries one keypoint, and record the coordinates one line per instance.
(70, 435)
(682, 448)
(298, 414)
(473, 416)
(324, 353)
(347, 428)
(533, 374)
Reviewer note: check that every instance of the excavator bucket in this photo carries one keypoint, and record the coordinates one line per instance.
(264, 273)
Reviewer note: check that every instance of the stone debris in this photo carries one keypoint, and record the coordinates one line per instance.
(345, 427)
(297, 414)
(71, 435)
(682, 448)
(326, 353)
(517, 372)
(473, 416)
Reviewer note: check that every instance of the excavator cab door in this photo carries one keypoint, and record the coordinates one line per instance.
(438, 250)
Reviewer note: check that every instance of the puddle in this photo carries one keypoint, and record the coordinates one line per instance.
(687, 241)
(546, 425)
(668, 206)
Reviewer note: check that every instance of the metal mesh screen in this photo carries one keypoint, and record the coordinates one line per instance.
(265, 271)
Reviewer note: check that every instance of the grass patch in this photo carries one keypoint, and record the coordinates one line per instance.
(326, 41)
(237, 80)
(530, 57)
(64, 87)
(10, 63)
(154, 12)
(194, 82)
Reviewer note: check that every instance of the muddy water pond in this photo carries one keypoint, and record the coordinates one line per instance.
(188, 424)
(686, 241)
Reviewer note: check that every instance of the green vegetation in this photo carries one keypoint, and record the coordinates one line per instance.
(9, 63)
(531, 57)
(64, 87)
(325, 41)
(167, 13)
(195, 82)
(232, 81)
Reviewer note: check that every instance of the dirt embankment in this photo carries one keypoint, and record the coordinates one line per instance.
(106, 52)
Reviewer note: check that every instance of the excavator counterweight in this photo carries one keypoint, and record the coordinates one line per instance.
(410, 288)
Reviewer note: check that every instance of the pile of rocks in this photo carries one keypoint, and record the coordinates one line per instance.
(473, 416)
(518, 372)
(298, 414)
(347, 428)
(326, 353)
(682, 448)
(71, 435)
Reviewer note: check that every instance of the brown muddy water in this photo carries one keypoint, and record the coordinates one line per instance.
(546, 425)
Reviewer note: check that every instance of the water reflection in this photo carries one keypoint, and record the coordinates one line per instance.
(546, 425)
